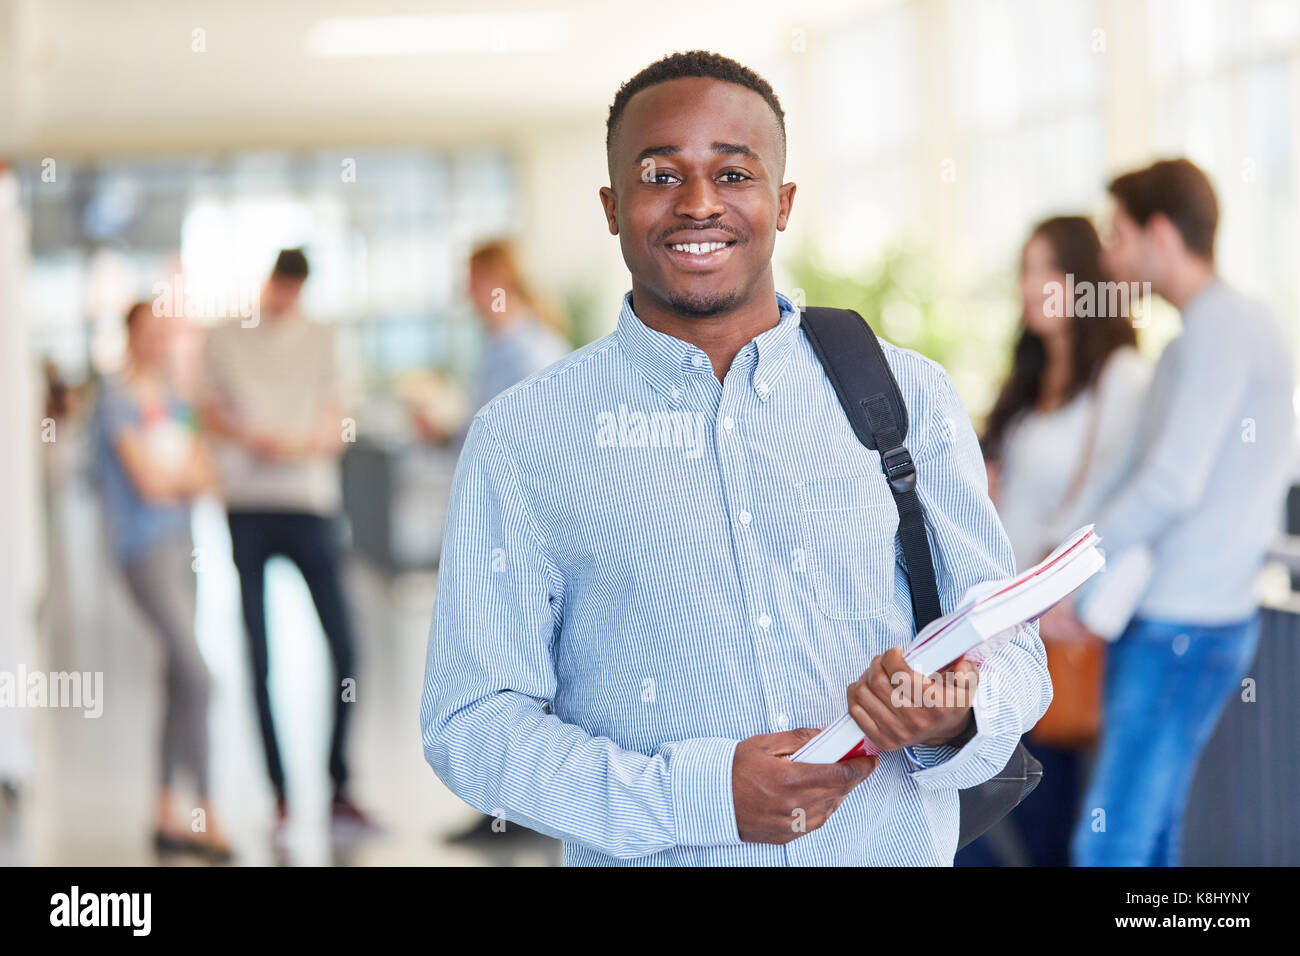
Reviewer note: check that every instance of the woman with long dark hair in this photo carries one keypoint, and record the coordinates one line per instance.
(1057, 442)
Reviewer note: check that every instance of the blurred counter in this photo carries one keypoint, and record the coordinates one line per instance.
(1244, 808)
(395, 496)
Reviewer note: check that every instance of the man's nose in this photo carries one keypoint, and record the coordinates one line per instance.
(699, 199)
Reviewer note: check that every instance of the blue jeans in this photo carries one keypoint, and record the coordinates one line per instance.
(1166, 686)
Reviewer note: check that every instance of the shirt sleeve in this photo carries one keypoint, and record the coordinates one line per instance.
(486, 716)
(1205, 396)
(969, 545)
(117, 412)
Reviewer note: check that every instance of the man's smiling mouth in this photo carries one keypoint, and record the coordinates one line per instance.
(699, 248)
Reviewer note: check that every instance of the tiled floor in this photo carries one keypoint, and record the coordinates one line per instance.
(89, 799)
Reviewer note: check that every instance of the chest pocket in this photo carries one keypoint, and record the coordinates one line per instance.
(848, 542)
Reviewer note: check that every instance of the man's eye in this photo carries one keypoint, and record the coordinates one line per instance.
(739, 177)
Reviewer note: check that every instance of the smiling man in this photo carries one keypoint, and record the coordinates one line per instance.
(631, 637)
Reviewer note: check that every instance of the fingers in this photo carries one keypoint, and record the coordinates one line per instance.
(965, 670)
(881, 703)
(836, 778)
(787, 741)
(878, 721)
(892, 661)
(858, 769)
(895, 706)
(962, 683)
(774, 795)
(849, 774)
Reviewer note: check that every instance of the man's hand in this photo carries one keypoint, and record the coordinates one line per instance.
(777, 799)
(897, 707)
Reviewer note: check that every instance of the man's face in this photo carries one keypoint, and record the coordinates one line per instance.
(696, 196)
(280, 295)
(1127, 253)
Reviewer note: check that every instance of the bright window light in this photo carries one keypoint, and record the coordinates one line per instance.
(441, 33)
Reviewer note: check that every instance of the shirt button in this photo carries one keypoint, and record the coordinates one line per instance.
(762, 389)
(783, 720)
(745, 517)
(697, 360)
(677, 393)
(764, 621)
(728, 423)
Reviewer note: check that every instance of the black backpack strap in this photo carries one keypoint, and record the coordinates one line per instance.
(856, 366)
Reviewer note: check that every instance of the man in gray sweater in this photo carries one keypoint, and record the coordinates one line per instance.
(1211, 464)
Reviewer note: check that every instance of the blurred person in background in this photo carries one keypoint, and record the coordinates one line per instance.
(153, 466)
(522, 333)
(1204, 497)
(271, 400)
(1057, 442)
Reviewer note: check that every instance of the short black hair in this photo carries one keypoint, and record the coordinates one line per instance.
(699, 63)
(290, 264)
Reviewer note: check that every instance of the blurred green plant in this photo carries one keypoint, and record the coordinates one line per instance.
(581, 302)
(897, 293)
(903, 295)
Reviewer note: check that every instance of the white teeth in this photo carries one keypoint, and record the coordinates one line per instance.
(699, 248)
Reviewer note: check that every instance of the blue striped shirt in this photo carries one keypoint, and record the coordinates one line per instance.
(643, 566)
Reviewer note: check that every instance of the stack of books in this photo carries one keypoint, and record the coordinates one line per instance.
(988, 616)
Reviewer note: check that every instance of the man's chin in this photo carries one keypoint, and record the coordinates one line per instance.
(703, 305)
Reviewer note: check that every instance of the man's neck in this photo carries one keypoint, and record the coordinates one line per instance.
(720, 337)
(1186, 282)
(285, 317)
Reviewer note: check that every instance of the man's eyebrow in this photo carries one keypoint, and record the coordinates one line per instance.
(656, 151)
(736, 149)
(732, 149)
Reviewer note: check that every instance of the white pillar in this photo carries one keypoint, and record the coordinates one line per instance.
(21, 555)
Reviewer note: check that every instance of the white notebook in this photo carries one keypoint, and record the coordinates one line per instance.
(988, 616)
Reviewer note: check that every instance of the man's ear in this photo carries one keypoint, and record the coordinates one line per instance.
(784, 203)
(610, 202)
(1164, 234)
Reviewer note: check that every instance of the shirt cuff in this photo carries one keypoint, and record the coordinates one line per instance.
(704, 806)
(925, 756)
(997, 731)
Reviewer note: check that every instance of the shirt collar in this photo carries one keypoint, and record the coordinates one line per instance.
(665, 361)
